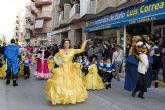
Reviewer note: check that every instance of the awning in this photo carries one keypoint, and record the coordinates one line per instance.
(135, 14)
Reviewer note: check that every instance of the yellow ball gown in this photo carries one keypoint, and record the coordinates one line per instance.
(33, 59)
(92, 80)
(79, 66)
(51, 64)
(3, 70)
(65, 86)
(21, 71)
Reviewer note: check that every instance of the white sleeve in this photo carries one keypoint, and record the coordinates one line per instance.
(144, 59)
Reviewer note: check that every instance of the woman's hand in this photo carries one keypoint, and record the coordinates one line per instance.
(60, 65)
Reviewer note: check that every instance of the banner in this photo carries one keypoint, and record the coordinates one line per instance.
(135, 14)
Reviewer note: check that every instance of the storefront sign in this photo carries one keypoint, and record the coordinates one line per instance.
(131, 15)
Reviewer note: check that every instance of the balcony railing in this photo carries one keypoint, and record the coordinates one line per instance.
(74, 10)
(39, 3)
(87, 7)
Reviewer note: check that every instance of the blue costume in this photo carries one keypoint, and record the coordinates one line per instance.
(26, 68)
(108, 75)
(85, 67)
(131, 70)
(1, 64)
(12, 55)
(101, 67)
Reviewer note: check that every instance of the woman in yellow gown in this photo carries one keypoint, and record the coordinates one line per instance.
(79, 66)
(21, 71)
(92, 80)
(3, 70)
(65, 86)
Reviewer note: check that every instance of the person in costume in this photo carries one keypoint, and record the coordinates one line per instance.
(86, 64)
(142, 70)
(21, 65)
(109, 73)
(11, 55)
(33, 59)
(79, 67)
(92, 80)
(133, 75)
(101, 67)
(27, 66)
(42, 71)
(81, 59)
(65, 86)
(3, 68)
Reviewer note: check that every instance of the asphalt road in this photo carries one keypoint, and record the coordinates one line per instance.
(29, 95)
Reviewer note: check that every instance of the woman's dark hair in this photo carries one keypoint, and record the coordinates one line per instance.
(63, 41)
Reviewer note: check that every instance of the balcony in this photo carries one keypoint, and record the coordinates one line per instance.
(62, 21)
(74, 12)
(62, 2)
(87, 8)
(46, 15)
(33, 9)
(108, 5)
(40, 3)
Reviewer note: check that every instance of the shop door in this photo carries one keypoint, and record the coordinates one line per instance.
(159, 31)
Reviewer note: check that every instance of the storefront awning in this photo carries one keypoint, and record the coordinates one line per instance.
(135, 14)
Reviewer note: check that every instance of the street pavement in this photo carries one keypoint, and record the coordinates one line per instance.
(29, 95)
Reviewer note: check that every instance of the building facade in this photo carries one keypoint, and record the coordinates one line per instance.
(39, 22)
(19, 27)
(70, 18)
(144, 18)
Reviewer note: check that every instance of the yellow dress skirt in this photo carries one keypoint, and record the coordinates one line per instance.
(65, 86)
(33, 59)
(78, 66)
(21, 66)
(51, 64)
(92, 80)
(3, 70)
(21, 71)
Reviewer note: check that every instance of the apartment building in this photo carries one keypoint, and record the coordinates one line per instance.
(19, 27)
(39, 22)
(70, 15)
